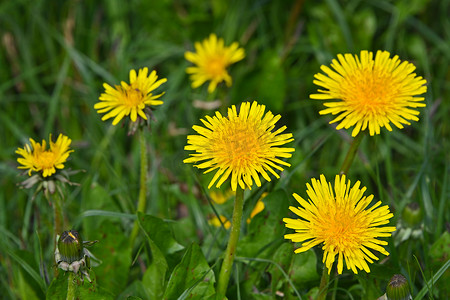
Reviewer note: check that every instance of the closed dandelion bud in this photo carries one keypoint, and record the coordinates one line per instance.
(398, 288)
(412, 214)
(70, 255)
(70, 246)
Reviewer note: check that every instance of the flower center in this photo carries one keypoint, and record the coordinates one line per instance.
(340, 230)
(370, 91)
(239, 144)
(216, 66)
(133, 97)
(46, 160)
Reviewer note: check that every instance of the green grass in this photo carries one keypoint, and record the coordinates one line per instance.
(55, 56)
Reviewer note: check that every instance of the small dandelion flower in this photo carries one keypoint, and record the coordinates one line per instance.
(214, 221)
(212, 59)
(240, 145)
(342, 222)
(130, 99)
(371, 93)
(38, 158)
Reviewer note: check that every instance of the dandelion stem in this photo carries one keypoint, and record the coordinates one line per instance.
(352, 152)
(57, 214)
(142, 201)
(72, 287)
(323, 284)
(230, 252)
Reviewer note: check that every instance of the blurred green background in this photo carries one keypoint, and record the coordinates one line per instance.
(55, 56)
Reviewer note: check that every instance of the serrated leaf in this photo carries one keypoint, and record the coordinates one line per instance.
(160, 233)
(192, 278)
(154, 279)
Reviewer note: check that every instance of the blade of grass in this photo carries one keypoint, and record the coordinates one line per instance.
(432, 280)
(27, 269)
(341, 19)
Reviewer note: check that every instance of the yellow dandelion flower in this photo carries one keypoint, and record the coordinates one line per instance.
(212, 59)
(39, 159)
(372, 93)
(342, 221)
(214, 221)
(130, 99)
(241, 145)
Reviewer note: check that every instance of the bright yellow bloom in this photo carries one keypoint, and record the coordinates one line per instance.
(342, 222)
(130, 99)
(241, 145)
(39, 159)
(372, 93)
(212, 59)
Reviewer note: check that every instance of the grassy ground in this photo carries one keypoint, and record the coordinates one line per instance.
(56, 56)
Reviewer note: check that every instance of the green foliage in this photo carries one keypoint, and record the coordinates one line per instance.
(192, 278)
(85, 290)
(55, 56)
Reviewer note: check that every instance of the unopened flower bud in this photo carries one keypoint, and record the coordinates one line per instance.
(398, 288)
(70, 246)
(412, 214)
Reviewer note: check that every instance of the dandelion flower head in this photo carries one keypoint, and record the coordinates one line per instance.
(241, 145)
(371, 93)
(130, 99)
(211, 60)
(342, 220)
(38, 158)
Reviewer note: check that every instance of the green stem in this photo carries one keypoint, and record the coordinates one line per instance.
(57, 214)
(58, 220)
(352, 152)
(323, 284)
(142, 201)
(230, 252)
(72, 287)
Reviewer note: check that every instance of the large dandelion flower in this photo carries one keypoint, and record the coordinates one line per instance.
(241, 145)
(39, 159)
(372, 93)
(130, 99)
(342, 221)
(212, 59)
